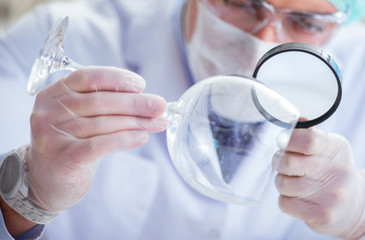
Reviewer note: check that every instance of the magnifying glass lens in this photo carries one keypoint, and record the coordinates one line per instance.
(306, 76)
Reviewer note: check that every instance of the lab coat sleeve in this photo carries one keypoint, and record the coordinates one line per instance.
(15, 107)
(35, 233)
(19, 45)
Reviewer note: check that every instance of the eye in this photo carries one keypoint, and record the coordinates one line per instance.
(236, 2)
(306, 24)
(248, 7)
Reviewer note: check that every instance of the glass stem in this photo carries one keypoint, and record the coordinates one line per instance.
(63, 62)
(69, 64)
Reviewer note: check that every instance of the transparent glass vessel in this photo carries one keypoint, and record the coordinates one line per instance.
(222, 134)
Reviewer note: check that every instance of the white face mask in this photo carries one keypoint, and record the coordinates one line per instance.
(219, 48)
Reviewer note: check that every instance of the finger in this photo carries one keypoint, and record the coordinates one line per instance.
(293, 186)
(295, 164)
(304, 209)
(111, 103)
(90, 79)
(308, 141)
(95, 126)
(99, 146)
(333, 180)
(119, 141)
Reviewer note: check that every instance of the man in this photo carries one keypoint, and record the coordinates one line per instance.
(85, 125)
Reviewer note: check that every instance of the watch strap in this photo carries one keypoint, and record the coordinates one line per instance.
(21, 202)
(29, 210)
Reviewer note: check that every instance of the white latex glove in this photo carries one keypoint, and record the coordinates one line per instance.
(90, 113)
(319, 184)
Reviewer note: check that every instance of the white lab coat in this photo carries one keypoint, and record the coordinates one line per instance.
(138, 194)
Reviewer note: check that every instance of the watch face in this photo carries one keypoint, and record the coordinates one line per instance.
(10, 176)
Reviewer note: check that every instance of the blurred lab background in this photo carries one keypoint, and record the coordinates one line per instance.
(10, 10)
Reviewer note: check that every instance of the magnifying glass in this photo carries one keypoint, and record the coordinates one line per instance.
(306, 76)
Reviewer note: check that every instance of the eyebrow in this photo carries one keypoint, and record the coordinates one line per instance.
(244, 3)
(330, 16)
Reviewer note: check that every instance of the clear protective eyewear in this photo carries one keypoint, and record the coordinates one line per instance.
(291, 25)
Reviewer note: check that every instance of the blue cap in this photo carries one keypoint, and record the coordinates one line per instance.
(357, 8)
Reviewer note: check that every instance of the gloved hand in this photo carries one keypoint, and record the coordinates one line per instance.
(319, 184)
(90, 113)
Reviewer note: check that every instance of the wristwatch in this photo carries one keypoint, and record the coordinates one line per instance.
(14, 186)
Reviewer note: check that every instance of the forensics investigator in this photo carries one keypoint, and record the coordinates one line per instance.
(93, 170)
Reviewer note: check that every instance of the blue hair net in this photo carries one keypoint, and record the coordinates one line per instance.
(357, 8)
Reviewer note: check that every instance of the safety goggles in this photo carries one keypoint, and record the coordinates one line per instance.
(291, 25)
